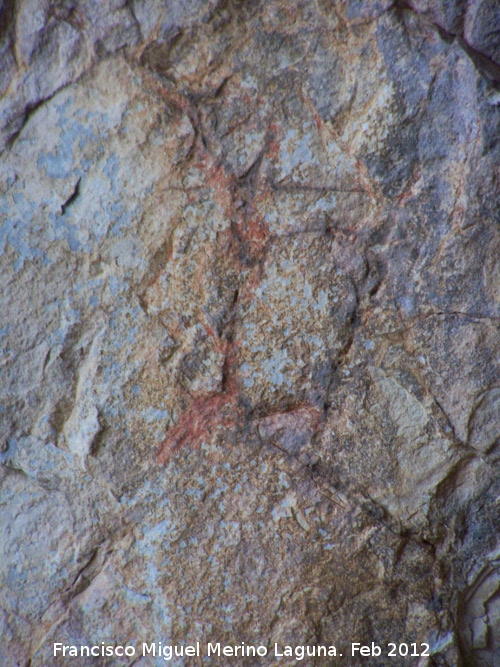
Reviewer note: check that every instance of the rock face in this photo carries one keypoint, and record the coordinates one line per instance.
(249, 323)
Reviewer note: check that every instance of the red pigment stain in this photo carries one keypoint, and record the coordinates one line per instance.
(201, 419)
(207, 414)
(273, 144)
(253, 233)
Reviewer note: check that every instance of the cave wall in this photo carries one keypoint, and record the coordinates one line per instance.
(249, 326)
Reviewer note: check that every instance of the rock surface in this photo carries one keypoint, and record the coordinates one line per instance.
(249, 324)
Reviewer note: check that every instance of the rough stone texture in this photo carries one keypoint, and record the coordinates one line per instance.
(249, 323)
